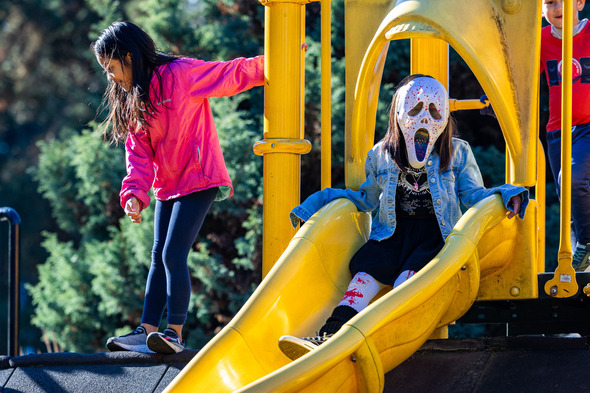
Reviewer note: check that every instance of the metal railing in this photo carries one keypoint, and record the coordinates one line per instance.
(10, 215)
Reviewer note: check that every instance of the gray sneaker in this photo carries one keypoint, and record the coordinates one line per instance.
(134, 341)
(165, 342)
(295, 347)
(581, 258)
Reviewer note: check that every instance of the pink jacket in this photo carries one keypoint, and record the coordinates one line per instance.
(179, 152)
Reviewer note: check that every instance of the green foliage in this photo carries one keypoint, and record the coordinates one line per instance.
(79, 175)
(492, 165)
(63, 298)
(101, 273)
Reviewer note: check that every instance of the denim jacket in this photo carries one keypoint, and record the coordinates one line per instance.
(461, 182)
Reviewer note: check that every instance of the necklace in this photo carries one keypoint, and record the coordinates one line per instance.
(415, 184)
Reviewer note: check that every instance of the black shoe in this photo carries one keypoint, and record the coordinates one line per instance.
(165, 342)
(134, 341)
(295, 347)
(581, 258)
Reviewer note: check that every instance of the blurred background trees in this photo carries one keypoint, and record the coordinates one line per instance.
(83, 264)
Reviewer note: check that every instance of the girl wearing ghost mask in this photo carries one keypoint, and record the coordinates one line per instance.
(416, 178)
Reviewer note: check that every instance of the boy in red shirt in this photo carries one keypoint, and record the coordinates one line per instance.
(551, 62)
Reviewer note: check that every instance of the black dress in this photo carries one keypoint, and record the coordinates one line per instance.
(417, 237)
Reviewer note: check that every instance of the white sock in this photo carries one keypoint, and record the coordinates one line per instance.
(361, 290)
(403, 277)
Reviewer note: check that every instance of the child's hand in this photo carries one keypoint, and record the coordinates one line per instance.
(132, 209)
(486, 110)
(514, 205)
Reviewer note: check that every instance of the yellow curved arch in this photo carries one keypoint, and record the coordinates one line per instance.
(500, 49)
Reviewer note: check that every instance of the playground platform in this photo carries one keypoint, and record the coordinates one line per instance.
(480, 365)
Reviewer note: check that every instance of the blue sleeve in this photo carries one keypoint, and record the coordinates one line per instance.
(470, 187)
(365, 199)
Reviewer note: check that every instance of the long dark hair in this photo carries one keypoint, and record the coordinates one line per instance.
(393, 142)
(130, 109)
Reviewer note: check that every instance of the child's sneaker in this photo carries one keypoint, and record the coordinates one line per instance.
(134, 341)
(165, 342)
(581, 258)
(295, 347)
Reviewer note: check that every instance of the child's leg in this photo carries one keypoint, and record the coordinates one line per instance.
(155, 289)
(360, 291)
(187, 216)
(581, 183)
(554, 156)
(403, 277)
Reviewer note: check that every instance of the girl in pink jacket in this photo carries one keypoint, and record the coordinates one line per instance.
(158, 104)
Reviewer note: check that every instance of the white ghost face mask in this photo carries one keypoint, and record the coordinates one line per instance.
(422, 115)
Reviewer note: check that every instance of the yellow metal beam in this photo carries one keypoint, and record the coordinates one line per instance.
(283, 69)
(500, 50)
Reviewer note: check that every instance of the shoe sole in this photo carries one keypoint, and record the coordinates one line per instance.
(157, 344)
(115, 347)
(294, 349)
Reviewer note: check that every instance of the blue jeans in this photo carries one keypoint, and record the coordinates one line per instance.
(176, 225)
(580, 176)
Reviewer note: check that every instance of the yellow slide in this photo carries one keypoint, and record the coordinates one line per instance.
(308, 281)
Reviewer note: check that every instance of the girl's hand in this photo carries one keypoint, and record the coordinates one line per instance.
(132, 209)
(514, 203)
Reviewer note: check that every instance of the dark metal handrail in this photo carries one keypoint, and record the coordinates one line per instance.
(10, 215)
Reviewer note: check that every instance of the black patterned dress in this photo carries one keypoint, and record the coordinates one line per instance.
(417, 237)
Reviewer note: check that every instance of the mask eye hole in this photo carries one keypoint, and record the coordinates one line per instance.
(415, 110)
(434, 112)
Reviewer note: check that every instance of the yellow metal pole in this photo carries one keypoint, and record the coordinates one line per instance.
(282, 144)
(564, 284)
(430, 57)
(565, 247)
(302, 78)
(326, 98)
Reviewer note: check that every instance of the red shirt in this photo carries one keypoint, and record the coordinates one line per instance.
(551, 64)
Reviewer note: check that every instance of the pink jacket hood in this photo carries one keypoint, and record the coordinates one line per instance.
(179, 152)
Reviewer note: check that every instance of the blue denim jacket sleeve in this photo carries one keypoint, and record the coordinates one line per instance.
(461, 183)
(470, 187)
(365, 199)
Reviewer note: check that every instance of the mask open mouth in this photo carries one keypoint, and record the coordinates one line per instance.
(421, 139)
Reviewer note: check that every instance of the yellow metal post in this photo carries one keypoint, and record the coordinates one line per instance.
(282, 144)
(565, 246)
(430, 57)
(361, 20)
(564, 282)
(326, 99)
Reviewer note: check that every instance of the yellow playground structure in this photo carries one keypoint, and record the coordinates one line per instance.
(486, 257)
